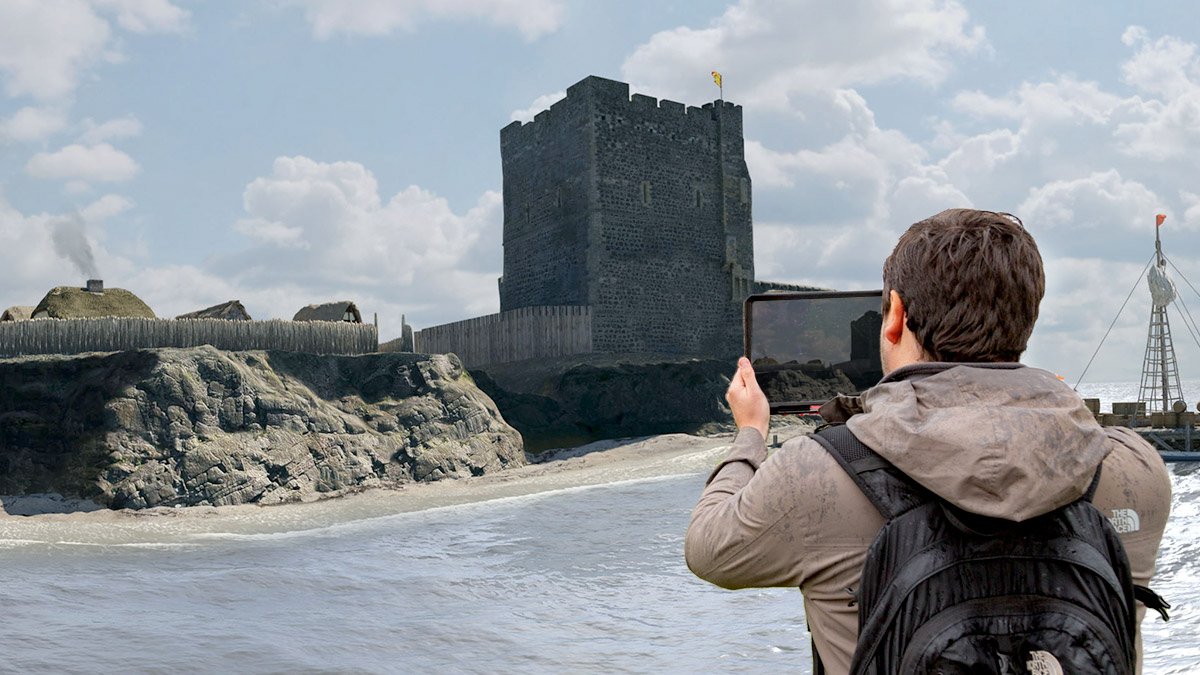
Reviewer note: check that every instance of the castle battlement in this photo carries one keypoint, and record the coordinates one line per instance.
(606, 98)
(635, 207)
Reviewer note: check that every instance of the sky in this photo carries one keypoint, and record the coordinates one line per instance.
(284, 152)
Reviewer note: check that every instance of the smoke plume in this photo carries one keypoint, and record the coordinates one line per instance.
(71, 242)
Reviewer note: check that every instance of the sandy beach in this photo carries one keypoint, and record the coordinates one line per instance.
(50, 519)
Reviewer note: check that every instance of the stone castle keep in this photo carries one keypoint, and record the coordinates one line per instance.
(627, 228)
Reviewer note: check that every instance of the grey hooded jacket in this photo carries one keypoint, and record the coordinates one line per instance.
(998, 440)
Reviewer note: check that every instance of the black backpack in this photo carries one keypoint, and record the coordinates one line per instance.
(946, 591)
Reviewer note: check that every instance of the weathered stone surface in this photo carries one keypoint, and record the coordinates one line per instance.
(557, 403)
(638, 208)
(589, 399)
(202, 426)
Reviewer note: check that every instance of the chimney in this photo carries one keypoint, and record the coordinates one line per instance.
(95, 286)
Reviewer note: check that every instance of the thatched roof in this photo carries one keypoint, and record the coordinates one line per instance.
(330, 311)
(229, 311)
(68, 302)
(18, 313)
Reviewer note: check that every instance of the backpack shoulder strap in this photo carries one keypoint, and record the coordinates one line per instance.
(885, 486)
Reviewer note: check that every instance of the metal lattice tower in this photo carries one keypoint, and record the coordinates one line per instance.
(1160, 387)
(1160, 373)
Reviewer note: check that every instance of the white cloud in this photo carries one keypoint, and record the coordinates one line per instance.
(533, 18)
(324, 228)
(1066, 99)
(1191, 203)
(32, 124)
(106, 207)
(1163, 67)
(46, 44)
(31, 261)
(1077, 159)
(336, 210)
(121, 127)
(1086, 167)
(77, 187)
(95, 163)
(146, 16)
(1083, 297)
(851, 198)
(771, 52)
(1100, 216)
(272, 232)
(1102, 204)
(1167, 125)
(409, 254)
(539, 104)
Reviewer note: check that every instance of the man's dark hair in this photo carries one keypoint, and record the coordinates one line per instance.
(971, 282)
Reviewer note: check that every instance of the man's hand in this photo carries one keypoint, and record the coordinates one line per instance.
(746, 401)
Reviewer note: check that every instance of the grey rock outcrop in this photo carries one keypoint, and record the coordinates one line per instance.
(572, 400)
(201, 426)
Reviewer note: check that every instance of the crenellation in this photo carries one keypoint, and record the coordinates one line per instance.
(634, 212)
(643, 102)
(672, 107)
(610, 105)
(645, 239)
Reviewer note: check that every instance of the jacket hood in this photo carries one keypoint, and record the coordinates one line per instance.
(999, 440)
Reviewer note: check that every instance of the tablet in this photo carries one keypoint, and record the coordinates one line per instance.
(807, 347)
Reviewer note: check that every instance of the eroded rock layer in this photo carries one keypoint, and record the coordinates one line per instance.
(201, 426)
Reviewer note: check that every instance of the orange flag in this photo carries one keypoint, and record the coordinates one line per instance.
(1158, 220)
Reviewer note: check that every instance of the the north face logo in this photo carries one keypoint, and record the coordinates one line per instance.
(1125, 520)
(1043, 663)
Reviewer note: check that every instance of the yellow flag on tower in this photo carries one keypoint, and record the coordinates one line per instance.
(717, 78)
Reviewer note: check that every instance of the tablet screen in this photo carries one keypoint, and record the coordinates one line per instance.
(808, 347)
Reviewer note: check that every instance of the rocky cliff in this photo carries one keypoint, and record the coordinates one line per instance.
(201, 426)
(567, 401)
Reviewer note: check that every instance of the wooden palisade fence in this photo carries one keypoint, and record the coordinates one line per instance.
(77, 336)
(515, 335)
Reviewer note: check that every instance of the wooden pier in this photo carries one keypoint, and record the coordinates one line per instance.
(1175, 434)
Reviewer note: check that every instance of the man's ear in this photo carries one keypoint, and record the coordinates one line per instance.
(893, 323)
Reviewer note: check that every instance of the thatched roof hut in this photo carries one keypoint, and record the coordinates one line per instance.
(68, 302)
(17, 313)
(343, 310)
(229, 311)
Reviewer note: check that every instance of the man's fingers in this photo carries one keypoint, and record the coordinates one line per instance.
(737, 383)
(746, 373)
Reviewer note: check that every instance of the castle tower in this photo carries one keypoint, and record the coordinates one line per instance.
(637, 208)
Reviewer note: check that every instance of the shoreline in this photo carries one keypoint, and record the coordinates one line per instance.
(595, 464)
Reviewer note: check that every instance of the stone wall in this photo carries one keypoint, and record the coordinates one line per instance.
(637, 207)
(548, 180)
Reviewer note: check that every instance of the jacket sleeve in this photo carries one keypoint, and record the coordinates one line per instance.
(745, 531)
(1135, 494)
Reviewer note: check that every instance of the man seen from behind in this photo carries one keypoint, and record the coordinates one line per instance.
(955, 411)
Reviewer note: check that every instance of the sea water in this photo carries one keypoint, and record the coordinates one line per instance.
(577, 580)
(582, 579)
